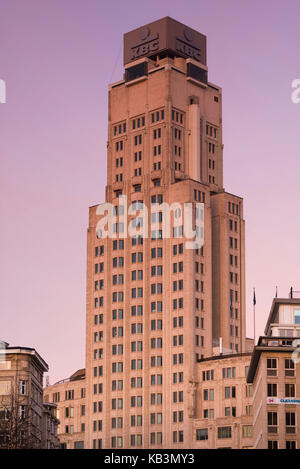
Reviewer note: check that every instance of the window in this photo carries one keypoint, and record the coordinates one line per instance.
(272, 389)
(4, 414)
(69, 395)
(196, 73)
(177, 116)
(136, 71)
(157, 116)
(297, 316)
(23, 387)
(247, 431)
(208, 394)
(289, 390)
(271, 366)
(290, 422)
(289, 367)
(230, 392)
(157, 133)
(99, 251)
(224, 432)
(230, 411)
(272, 422)
(22, 411)
(228, 372)
(290, 444)
(272, 444)
(139, 122)
(79, 445)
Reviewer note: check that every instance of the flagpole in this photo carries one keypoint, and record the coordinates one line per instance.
(254, 303)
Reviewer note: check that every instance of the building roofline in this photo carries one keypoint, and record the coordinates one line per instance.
(274, 309)
(26, 351)
(96, 205)
(78, 375)
(167, 17)
(221, 357)
(214, 86)
(265, 348)
(190, 179)
(50, 404)
(228, 193)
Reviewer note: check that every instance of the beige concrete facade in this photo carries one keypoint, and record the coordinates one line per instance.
(21, 403)
(275, 374)
(155, 308)
(228, 248)
(69, 398)
(224, 403)
(50, 424)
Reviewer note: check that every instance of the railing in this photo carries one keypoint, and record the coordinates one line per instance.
(290, 430)
(276, 341)
(66, 380)
(272, 429)
(294, 293)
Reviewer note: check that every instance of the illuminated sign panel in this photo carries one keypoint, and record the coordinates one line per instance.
(288, 400)
(165, 35)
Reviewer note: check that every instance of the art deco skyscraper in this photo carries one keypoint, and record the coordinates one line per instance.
(155, 308)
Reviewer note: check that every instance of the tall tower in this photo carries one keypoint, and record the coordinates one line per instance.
(155, 308)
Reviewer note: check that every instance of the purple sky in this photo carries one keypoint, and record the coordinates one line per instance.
(57, 58)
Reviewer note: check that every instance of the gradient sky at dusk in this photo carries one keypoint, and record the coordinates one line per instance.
(57, 58)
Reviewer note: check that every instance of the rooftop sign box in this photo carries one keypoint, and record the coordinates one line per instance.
(161, 36)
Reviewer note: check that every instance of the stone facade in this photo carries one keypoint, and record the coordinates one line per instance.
(224, 403)
(50, 424)
(154, 307)
(275, 374)
(21, 403)
(68, 396)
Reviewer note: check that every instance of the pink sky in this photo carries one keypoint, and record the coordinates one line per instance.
(57, 59)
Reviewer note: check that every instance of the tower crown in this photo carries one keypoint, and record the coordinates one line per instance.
(165, 36)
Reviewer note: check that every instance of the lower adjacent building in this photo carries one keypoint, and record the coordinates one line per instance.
(237, 400)
(69, 398)
(50, 423)
(220, 406)
(275, 375)
(224, 403)
(21, 391)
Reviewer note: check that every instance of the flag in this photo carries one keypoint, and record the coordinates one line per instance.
(254, 297)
